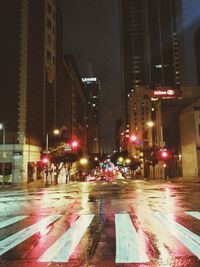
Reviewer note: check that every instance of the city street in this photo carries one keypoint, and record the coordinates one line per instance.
(119, 223)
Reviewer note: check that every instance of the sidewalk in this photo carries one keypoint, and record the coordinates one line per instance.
(35, 184)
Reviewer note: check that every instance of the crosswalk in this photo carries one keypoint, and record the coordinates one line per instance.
(131, 241)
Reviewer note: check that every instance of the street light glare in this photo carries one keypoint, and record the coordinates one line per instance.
(1, 126)
(56, 131)
(83, 161)
(150, 123)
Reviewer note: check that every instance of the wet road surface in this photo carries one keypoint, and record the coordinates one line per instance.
(101, 224)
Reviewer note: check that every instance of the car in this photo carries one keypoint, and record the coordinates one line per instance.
(90, 178)
(102, 178)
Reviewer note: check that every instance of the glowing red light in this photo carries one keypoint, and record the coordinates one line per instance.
(164, 154)
(133, 138)
(45, 160)
(74, 144)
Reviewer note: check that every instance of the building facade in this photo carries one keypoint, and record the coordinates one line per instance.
(38, 89)
(190, 141)
(93, 91)
(78, 104)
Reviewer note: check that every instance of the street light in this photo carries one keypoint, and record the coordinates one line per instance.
(3, 145)
(55, 132)
(83, 161)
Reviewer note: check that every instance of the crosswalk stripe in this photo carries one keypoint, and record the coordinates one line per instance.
(129, 248)
(11, 221)
(195, 214)
(62, 249)
(188, 238)
(15, 239)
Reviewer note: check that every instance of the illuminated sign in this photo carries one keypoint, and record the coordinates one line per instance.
(165, 93)
(93, 79)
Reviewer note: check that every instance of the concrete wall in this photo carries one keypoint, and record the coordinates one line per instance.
(188, 143)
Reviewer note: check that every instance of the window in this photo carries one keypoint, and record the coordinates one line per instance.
(49, 8)
(49, 39)
(48, 55)
(49, 23)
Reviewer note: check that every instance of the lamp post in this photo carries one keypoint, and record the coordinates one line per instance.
(55, 132)
(146, 144)
(3, 146)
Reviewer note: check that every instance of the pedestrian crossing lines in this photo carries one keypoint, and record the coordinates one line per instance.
(130, 241)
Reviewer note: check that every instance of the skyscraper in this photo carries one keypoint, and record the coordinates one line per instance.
(150, 44)
(39, 90)
(92, 87)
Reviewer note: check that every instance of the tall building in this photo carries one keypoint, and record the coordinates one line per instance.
(188, 30)
(28, 75)
(133, 41)
(150, 44)
(78, 104)
(93, 91)
(38, 89)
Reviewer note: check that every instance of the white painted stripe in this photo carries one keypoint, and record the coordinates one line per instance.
(11, 221)
(129, 248)
(62, 249)
(15, 239)
(195, 214)
(185, 236)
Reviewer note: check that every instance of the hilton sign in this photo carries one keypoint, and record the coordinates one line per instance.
(165, 93)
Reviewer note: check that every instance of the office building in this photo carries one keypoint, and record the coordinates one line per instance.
(93, 91)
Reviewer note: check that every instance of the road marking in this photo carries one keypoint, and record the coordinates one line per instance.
(62, 249)
(185, 236)
(17, 238)
(129, 248)
(195, 214)
(11, 221)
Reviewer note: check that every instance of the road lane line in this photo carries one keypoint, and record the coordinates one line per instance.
(185, 236)
(195, 214)
(17, 238)
(129, 248)
(62, 249)
(11, 221)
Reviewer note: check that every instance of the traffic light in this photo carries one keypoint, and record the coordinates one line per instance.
(132, 138)
(74, 144)
(44, 159)
(164, 154)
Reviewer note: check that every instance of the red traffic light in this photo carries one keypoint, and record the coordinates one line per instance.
(164, 154)
(132, 138)
(74, 144)
(45, 160)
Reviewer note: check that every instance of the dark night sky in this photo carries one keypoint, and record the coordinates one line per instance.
(91, 34)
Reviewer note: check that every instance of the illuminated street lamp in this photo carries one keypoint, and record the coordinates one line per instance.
(127, 161)
(55, 132)
(83, 161)
(3, 145)
(120, 160)
(150, 124)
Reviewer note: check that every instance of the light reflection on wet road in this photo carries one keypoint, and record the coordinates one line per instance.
(123, 223)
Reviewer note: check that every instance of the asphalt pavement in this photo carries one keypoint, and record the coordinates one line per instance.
(95, 224)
